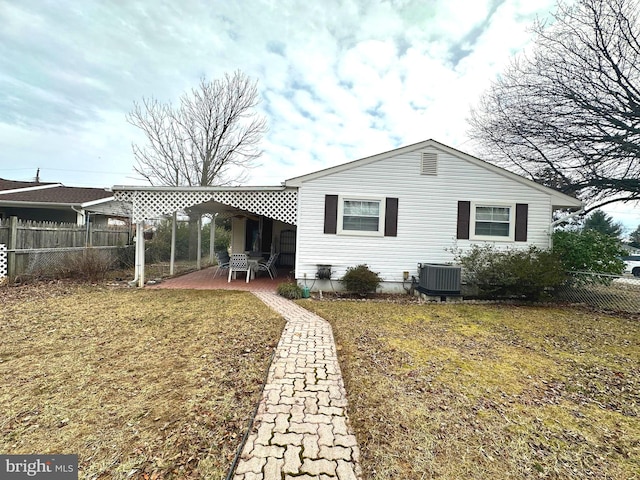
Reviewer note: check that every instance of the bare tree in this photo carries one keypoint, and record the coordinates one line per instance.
(210, 138)
(567, 113)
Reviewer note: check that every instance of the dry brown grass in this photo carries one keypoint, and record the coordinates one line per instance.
(140, 384)
(489, 392)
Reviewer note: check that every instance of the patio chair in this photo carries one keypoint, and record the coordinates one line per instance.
(223, 262)
(239, 262)
(269, 266)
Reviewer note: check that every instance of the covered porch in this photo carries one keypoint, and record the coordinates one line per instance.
(263, 219)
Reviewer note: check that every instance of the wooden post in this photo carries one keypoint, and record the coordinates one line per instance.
(11, 247)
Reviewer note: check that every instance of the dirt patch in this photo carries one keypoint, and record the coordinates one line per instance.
(138, 383)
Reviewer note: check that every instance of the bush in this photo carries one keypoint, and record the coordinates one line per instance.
(360, 280)
(89, 264)
(159, 249)
(588, 251)
(290, 290)
(126, 257)
(528, 274)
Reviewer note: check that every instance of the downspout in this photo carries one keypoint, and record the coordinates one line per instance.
(199, 247)
(88, 241)
(79, 213)
(86, 218)
(140, 253)
(172, 261)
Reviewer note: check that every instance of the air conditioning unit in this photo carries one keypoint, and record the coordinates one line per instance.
(439, 279)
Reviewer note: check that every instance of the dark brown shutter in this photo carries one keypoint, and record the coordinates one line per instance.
(464, 213)
(522, 219)
(391, 218)
(330, 214)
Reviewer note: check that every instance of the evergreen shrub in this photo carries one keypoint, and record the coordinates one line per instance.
(360, 280)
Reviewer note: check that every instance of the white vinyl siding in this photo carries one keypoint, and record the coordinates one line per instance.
(427, 221)
(360, 216)
(492, 222)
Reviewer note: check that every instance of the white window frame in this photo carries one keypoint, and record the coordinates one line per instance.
(361, 233)
(493, 238)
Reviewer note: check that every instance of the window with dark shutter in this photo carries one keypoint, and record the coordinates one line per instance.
(354, 215)
(502, 222)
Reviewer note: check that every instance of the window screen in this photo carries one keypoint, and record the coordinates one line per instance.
(492, 221)
(361, 215)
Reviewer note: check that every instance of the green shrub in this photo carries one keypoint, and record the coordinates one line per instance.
(360, 280)
(290, 290)
(588, 251)
(528, 274)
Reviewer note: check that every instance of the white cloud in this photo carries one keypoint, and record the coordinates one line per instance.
(339, 79)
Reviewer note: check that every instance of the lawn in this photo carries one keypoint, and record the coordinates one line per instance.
(139, 384)
(489, 392)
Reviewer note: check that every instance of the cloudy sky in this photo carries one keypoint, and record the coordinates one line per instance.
(339, 80)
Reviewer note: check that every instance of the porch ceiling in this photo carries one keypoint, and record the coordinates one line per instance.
(279, 203)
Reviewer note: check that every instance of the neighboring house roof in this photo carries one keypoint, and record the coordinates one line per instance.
(60, 195)
(559, 199)
(51, 195)
(15, 184)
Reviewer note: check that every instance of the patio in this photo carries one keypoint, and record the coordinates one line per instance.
(205, 280)
(263, 219)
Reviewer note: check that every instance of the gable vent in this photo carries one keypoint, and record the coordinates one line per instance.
(429, 164)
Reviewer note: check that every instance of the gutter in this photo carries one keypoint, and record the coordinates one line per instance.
(30, 189)
(23, 203)
(97, 202)
(137, 188)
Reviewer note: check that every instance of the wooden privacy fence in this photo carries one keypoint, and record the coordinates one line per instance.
(26, 241)
(25, 234)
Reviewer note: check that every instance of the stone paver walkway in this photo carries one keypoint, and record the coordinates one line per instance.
(301, 431)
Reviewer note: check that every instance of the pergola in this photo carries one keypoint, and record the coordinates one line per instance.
(278, 203)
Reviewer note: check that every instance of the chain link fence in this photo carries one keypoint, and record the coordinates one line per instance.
(608, 292)
(72, 261)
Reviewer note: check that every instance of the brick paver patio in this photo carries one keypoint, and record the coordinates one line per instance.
(301, 431)
(206, 279)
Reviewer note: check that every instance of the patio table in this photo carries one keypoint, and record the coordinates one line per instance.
(253, 265)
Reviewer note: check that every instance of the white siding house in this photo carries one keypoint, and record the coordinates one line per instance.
(392, 211)
(415, 204)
